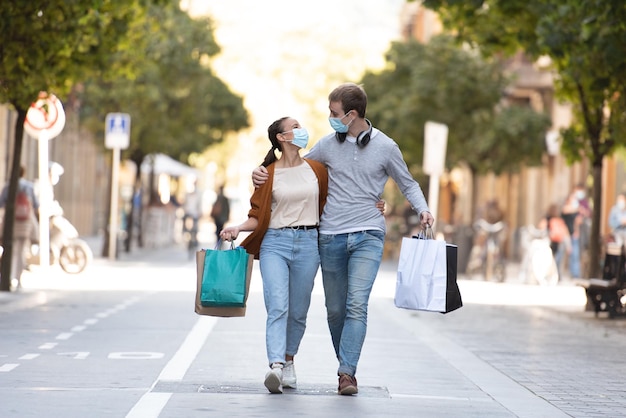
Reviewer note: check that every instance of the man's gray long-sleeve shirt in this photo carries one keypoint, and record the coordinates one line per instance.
(356, 178)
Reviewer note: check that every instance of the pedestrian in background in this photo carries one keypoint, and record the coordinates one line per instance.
(220, 211)
(25, 227)
(192, 207)
(617, 219)
(558, 234)
(360, 159)
(284, 217)
(573, 217)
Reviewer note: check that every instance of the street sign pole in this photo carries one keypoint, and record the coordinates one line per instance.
(435, 144)
(115, 175)
(45, 196)
(117, 137)
(45, 120)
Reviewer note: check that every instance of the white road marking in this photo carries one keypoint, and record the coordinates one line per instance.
(8, 367)
(48, 346)
(64, 336)
(78, 328)
(77, 355)
(91, 321)
(188, 351)
(151, 404)
(138, 355)
(29, 356)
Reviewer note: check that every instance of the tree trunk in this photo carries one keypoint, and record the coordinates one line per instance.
(595, 240)
(9, 210)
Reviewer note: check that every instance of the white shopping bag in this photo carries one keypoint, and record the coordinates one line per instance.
(422, 275)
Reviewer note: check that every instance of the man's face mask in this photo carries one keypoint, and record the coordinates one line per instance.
(338, 125)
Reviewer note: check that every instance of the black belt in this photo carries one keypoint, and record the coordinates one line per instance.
(305, 227)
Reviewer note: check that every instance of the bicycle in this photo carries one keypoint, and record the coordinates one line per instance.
(487, 257)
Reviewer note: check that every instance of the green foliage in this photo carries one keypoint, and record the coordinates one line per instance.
(49, 45)
(177, 105)
(586, 42)
(445, 83)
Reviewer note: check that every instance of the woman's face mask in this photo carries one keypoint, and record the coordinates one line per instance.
(300, 137)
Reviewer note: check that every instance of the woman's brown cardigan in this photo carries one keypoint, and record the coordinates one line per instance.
(261, 205)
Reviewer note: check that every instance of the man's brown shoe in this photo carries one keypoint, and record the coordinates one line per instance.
(347, 385)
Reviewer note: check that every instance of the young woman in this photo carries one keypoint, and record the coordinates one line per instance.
(284, 217)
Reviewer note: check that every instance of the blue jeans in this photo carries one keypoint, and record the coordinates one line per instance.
(350, 264)
(289, 260)
(574, 258)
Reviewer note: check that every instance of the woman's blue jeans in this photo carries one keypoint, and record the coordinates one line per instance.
(289, 260)
(350, 264)
(574, 258)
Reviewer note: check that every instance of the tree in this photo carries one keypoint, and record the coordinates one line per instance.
(177, 104)
(442, 82)
(585, 41)
(48, 46)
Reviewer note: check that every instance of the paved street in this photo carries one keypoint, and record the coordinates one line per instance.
(122, 340)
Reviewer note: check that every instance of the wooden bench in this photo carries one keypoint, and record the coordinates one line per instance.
(608, 294)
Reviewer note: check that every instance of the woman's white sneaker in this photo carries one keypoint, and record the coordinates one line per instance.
(273, 379)
(289, 375)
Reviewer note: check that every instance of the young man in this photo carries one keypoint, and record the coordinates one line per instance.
(359, 159)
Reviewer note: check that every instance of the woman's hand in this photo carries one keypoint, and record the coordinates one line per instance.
(230, 233)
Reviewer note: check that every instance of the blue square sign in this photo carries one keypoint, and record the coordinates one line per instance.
(117, 130)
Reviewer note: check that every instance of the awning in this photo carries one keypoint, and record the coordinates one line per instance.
(164, 164)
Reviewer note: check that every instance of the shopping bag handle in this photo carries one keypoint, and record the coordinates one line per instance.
(218, 244)
(427, 233)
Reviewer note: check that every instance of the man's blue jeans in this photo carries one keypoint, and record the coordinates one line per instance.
(350, 264)
(289, 260)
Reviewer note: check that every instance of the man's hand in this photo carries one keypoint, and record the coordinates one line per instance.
(259, 176)
(380, 205)
(426, 219)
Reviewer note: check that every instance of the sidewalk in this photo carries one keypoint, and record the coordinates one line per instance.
(565, 297)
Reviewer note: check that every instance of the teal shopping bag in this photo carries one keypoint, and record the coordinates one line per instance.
(224, 278)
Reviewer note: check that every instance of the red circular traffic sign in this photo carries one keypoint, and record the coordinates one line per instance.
(45, 114)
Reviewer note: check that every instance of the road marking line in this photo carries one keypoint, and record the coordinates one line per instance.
(8, 367)
(64, 336)
(48, 346)
(151, 404)
(78, 328)
(135, 355)
(188, 351)
(29, 356)
(90, 321)
(76, 355)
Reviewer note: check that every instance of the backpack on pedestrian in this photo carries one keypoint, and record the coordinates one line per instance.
(557, 229)
(22, 206)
